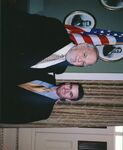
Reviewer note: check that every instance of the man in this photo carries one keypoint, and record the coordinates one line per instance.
(34, 100)
(29, 39)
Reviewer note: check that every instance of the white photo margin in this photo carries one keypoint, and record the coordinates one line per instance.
(90, 76)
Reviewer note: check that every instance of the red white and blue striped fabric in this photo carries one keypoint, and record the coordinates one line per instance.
(94, 36)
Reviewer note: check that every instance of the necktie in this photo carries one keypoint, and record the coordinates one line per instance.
(50, 61)
(34, 87)
(51, 57)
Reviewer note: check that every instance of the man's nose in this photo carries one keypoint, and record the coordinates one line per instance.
(80, 62)
(80, 58)
(67, 90)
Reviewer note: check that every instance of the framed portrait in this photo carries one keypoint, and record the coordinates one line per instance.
(112, 4)
(80, 19)
(110, 52)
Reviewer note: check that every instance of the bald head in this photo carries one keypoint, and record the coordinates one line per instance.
(82, 55)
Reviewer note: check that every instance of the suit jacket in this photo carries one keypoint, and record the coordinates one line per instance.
(22, 106)
(31, 38)
(26, 40)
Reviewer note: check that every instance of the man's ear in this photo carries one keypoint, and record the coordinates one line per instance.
(62, 100)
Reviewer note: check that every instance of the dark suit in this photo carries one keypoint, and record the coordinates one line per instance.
(22, 106)
(26, 40)
(32, 38)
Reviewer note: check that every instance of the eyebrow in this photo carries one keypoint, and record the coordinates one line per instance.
(85, 54)
(71, 94)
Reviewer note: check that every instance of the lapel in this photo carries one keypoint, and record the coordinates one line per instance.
(58, 68)
(35, 74)
(62, 52)
(33, 98)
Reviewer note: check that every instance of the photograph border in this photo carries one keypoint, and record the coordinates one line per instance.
(90, 76)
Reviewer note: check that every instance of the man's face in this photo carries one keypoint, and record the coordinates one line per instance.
(68, 91)
(82, 55)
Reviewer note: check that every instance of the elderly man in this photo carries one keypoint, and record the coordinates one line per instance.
(31, 39)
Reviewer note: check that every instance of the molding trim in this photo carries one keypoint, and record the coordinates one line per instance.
(10, 139)
(90, 76)
(1, 138)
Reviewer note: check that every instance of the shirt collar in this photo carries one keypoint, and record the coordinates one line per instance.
(55, 94)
